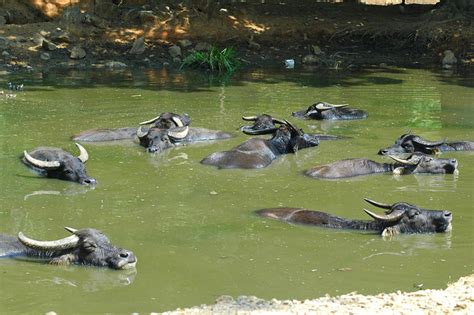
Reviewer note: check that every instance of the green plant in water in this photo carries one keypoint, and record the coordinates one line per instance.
(214, 60)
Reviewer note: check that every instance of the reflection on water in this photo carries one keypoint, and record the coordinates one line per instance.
(68, 191)
(429, 183)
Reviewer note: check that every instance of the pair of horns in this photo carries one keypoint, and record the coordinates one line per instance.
(57, 245)
(385, 218)
(254, 118)
(83, 156)
(175, 133)
(409, 161)
(177, 121)
(325, 106)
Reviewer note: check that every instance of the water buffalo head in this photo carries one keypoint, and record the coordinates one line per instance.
(402, 217)
(83, 247)
(289, 139)
(409, 143)
(316, 110)
(168, 120)
(421, 163)
(159, 139)
(57, 163)
(263, 124)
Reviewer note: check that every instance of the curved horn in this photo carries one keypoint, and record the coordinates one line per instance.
(292, 126)
(61, 244)
(378, 204)
(178, 122)
(141, 133)
(70, 229)
(278, 121)
(405, 162)
(249, 118)
(83, 156)
(147, 122)
(179, 134)
(385, 218)
(427, 142)
(326, 106)
(40, 163)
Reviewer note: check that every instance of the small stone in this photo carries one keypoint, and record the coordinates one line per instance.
(138, 46)
(77, 53)
(176, 60)
(3, 21)
(5, 53)
(254, 45)
(316, 50)
(449, 60)
(184, 43)
(59, 35)
(115, 64)
(47, 45)
(174, 51)
(45, 56)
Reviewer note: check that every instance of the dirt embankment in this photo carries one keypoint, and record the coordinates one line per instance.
(457, 298)
(343, 35)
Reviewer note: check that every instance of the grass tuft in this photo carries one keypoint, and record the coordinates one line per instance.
(214, 60)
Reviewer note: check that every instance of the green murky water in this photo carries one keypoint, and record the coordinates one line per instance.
(192, 226)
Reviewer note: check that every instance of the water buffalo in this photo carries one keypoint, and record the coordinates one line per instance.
(259, 153)
(409, 143)
(415, 164)
(400, 217)
(160, 139)
(265, 124)
(164, 120)
(83, 247)
(326, 111)
(57, 163)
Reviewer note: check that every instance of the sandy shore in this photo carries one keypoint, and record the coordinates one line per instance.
(457, 298)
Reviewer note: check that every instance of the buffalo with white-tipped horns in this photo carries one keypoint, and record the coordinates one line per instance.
(327, 111)
(82, 247)
(60, 164)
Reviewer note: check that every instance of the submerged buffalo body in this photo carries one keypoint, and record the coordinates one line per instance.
(415, 164)
(265, 124)
(409, 143)
(57, 163)
(83, 247)
(259, 153)
(164, 120)
(399, 218)
(326, 111)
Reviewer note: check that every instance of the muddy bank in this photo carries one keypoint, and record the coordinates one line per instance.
(457, 298)
(320, 35)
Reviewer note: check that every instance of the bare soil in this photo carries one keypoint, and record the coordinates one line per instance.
(341, 35)
(457, 298)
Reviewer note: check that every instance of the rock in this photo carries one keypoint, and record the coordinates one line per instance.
(174, 51)
(317, 50)
(38, 39)
(138, 46)
(254, 45)
(115, 64)
(310, 59)
(60, 35)
(184, 43)
(202, 46)
(3, 21)
(5, 53)
(45, 56)
(176, 60)
(47, 45)
(147, 17)
(449, 60)
(77, 53)
(4, 43)
(72, 15)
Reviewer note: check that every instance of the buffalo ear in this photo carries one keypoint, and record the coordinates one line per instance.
(399, 170)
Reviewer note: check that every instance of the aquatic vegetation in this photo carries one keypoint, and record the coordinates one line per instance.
(214, 59)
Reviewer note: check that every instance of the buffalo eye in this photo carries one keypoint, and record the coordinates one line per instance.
(89, 246)
(412, 213)
(67, 172)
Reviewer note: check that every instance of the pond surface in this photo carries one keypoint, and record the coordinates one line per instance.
(193, 227)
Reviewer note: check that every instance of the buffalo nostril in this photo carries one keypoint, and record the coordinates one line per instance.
(124, 255)
(383, 152)
(453, 161)
(447, 213)
(152, 150)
